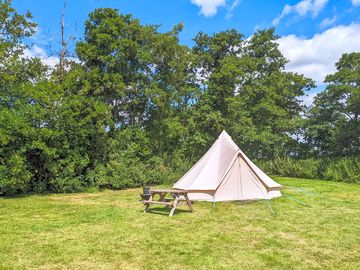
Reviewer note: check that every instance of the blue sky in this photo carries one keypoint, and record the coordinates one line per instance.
(314, 33)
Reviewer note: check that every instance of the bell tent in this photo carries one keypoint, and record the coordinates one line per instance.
(225, 173)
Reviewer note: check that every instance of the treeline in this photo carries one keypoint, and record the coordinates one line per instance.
(139, 108)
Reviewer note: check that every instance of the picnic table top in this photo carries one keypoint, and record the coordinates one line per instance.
(168, 191)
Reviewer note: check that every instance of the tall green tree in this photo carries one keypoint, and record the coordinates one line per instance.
(17, 76)
(248, 92)
(215, 67)
(333, 126)
(266, 112)
(171, 93)
(116, 53)
(143, 74)
(51, 135)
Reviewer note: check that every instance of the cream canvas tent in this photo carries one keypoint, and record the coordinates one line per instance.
(225, 173)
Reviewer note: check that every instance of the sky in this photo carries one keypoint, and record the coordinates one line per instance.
(313, 33)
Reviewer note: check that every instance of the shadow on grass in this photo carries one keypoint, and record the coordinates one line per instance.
(22, 195)
(166, 211)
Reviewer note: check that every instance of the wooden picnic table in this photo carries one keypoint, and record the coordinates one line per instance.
(177, 195)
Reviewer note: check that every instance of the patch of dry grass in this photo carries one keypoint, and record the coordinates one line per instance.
(108, 230)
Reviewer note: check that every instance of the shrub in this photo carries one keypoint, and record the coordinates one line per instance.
(345, 169)
(14, 176)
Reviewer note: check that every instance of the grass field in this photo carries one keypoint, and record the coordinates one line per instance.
(108, 230)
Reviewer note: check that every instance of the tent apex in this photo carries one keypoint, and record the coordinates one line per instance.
(224, 133)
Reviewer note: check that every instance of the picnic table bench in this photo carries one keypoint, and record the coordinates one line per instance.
(177, 196)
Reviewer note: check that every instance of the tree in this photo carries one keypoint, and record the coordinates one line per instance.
(16, 77)
(64, 42)
(171, 94)
(216, 58)
(143, 74)
(333, 126)
(248, 92)
(13, 28)
(116, 54)
(51, 136)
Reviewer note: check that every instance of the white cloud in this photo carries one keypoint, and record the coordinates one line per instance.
(355, 2)
(231, 8)
(51, 61)
(209, 7)
(308, 99)
(316, 57)
(36, 51)
(328, 22)
(302, 9)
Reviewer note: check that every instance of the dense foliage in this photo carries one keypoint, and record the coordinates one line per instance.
(345, 169)
(333, 127)
(139, 107)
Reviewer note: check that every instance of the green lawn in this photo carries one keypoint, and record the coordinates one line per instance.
(108, 230)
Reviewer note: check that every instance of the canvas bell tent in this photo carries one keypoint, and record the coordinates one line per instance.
(225, 173)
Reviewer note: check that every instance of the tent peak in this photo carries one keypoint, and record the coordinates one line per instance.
(225, 137)
(224, 133)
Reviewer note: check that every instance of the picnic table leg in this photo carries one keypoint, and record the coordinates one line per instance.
(148, 204)
(162, 196)
(188, 202)
(174, 206)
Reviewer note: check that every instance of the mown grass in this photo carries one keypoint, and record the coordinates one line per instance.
(108, 230)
